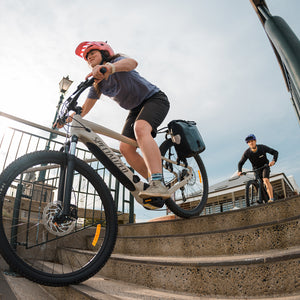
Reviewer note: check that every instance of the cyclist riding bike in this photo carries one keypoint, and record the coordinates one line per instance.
(257, 154)
(147, 105)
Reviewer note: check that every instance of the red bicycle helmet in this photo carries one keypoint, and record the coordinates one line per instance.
(85, 47)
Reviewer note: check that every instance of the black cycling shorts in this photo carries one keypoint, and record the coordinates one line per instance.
(265, 172)
(153, 110)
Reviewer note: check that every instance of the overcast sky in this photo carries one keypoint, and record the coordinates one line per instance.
(212, 59)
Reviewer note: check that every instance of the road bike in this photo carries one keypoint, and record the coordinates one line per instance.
(61, 229)
(256, 192)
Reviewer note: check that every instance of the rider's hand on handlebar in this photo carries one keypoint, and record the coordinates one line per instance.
(58, 124)
(272, 163)
(99, 74)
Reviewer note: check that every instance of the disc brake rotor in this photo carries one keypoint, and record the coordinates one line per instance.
(59, 229)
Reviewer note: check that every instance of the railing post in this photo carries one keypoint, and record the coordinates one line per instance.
(15, 219)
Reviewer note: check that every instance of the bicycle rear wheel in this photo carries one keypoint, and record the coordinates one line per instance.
(189, 200)
(36, 246)
(252, 193)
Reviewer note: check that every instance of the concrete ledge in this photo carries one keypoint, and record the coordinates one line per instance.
(27, 290)
(273, 272)
(250, 239)
(264, 213)
(228, 260)
(268, 274)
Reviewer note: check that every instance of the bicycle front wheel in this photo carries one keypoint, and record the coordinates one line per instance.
(189, 200)
(32, 242)
(252, 193)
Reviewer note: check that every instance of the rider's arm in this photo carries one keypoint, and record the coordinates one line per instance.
(241, 162)
(275, 156)
(87, 106)
(121, 65)
(272, 152)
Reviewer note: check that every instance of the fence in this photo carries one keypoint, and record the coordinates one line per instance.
(15, 142)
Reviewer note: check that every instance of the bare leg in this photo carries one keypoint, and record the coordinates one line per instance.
(134, 159)
(148, 146)
(269, 187)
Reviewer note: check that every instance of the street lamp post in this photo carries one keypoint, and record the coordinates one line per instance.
(64, 85)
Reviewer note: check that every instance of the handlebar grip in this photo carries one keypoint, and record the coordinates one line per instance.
(103, 70)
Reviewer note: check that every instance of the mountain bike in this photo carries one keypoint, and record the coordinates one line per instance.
(61, 228)
(256, 192)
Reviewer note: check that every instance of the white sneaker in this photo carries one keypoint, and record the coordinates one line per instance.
(156, 189)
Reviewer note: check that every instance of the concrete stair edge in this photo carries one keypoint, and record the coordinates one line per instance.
(250, 239)
(118, 289)
(24, 289)
(267, 256)
(273, 272)
(271, 276)
(99, 287)
(254, 215)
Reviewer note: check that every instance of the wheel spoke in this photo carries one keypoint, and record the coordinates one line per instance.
(30, 232)
(190, 199)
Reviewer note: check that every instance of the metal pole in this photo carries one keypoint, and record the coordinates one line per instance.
(52, 135)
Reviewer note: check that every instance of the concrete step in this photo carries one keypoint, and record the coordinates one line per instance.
(264, 213)
(104, 288)
(272, 272)
(5, 291)
(251, 253)
(250, 239)
(23, 289)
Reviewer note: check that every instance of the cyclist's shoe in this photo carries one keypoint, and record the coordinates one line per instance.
(155, 189)
(153, 203)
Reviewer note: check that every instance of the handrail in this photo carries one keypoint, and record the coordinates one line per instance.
(16, 142)
(26, 122)
(38, 126)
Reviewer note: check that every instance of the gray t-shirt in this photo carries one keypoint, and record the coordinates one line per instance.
(128, 89)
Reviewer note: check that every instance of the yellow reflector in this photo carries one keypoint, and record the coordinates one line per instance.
(200, 178)
(97, 234)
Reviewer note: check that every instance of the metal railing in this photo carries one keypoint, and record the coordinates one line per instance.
(17, 141)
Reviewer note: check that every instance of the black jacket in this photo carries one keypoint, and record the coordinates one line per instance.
(258, 158)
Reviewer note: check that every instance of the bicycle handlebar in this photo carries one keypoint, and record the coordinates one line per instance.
(255, 170)
(71, 103)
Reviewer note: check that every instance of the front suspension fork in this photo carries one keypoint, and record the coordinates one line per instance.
(66, 181)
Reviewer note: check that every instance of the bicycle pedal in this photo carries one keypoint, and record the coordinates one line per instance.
(153, 203)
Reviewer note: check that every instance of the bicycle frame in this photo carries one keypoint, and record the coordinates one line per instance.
(87, 132)
(260, 185)
(259, 181)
